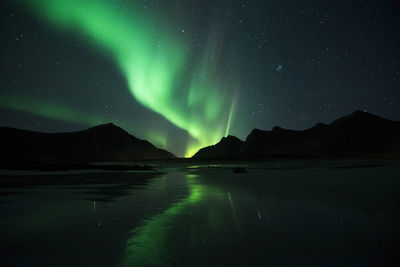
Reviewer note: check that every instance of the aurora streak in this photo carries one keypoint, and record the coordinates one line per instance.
(155, 63)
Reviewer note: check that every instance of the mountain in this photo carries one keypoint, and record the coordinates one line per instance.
(101, 143)
(228, 147)
(359, 133)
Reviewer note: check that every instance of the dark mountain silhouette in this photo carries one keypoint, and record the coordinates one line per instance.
(101, 143)
(360, 133)
(228, 147)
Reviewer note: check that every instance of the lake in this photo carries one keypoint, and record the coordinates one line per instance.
(274, 214)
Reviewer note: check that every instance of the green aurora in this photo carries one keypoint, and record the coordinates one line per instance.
(157, 65)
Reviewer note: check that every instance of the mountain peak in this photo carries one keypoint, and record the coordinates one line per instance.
(228, 146)
(360, 113)
(107, 127)
(230, 138)
(277, 129)
(357, 117)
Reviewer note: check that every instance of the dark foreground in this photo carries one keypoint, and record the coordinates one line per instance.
(272, 214)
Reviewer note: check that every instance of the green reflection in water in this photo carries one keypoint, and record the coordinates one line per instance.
(150, 244)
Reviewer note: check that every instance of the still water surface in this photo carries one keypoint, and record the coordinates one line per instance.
(202, 216)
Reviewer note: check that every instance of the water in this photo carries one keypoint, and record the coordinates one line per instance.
(282, 215)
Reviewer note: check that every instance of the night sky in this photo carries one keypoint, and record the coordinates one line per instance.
(183, 74)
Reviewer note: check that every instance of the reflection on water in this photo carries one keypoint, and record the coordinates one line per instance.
(152, 243)
(202, 216)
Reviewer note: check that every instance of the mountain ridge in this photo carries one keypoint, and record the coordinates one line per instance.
(359, 133)
(105, 142)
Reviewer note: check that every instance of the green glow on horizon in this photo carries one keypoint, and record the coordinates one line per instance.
(153, 61)
(157, 139)
(49, 109)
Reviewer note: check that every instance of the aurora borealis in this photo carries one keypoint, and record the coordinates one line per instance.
(183, 74)
(152, 63)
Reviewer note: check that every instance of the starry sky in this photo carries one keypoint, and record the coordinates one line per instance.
(184, 73)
